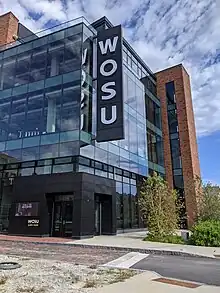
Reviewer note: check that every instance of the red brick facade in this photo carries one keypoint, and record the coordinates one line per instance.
(8, 28)
(187, 133)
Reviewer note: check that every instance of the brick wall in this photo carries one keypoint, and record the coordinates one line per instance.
(187, 133)
(8, 28)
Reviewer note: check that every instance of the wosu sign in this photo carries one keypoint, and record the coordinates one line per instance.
(110, 116)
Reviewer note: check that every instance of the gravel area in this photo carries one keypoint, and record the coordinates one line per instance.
(42, 276)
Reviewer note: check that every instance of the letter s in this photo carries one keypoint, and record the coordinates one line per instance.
(105, 88)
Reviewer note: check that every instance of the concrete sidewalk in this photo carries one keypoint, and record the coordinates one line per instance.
(125, 241)
(145, 282)
(134, 242)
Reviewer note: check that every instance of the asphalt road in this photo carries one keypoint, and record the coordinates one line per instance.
(201, 270)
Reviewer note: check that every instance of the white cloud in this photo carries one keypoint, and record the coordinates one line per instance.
(164, 33)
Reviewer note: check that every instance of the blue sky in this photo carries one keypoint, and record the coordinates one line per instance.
(164, 33)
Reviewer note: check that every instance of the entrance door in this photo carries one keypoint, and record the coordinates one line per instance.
(98, 217)
(63, 218)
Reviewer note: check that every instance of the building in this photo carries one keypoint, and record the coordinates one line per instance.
(82, 121)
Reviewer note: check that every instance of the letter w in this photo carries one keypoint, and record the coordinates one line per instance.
(108, 44)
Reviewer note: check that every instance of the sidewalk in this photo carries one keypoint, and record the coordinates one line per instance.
(146, 283)
(127, 242)
(134, 242)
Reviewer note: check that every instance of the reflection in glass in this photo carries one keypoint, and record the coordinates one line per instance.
(119, 205)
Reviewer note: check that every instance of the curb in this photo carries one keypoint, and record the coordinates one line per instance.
(118, 248)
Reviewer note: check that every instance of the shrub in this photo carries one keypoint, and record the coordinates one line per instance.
(159, 204)
(174, 239)
(206, 233)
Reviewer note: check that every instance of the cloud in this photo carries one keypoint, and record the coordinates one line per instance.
(164, 33)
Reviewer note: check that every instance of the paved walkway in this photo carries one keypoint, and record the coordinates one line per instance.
(135, 242)
(146, 283)
(128, 241)
(45, 240)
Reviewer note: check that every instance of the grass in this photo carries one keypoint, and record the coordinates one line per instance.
(122, 275)
(174, 239)
(3, 280)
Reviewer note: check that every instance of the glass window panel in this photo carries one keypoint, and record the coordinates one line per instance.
(113, 160)
(49, 151)
(15, 155)
(30, 154)
(127, 205)
(88, 151)
(86, 169)
(49, 139)
(69, 136)
(8, 73)
(55, 58)
(72, 56)
(69, 148)
(34, 123)
(134, 206)
(38, 64)
(31, 141)
(44, 162)
(18, 111)
(133, 139)
(56, 36)
(84, 161)
(74, 31)
(52, 110)
(101, 155)
(22, 69)
(113, 149)
(43, 170)
(28, 164)
(101, 173)
(70, 108)
(35, 86)
(119, 205)
(5, 93)
(27, 172)
(5, 108)
(2, 146)
(63, 168)
(13, 144)
(63, 160)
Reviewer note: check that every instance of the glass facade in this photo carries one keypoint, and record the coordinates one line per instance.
(48, 116)
(41, 86)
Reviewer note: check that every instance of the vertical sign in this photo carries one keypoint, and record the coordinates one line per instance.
(110, 115)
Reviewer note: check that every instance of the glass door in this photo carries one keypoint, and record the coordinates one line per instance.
(98, 218)
(63, 213)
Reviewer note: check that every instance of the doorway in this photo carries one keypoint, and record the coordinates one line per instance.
(98, 216)
(60, 213)
(103, 214)
(62, 218)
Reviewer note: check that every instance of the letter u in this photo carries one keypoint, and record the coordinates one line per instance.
(103, 116)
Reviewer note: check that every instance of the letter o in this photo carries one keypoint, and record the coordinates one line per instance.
(114, 67)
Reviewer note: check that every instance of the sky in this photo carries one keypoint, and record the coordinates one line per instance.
(164, 33)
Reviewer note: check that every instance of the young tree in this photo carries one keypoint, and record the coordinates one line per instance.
(158, 203)
(208, 201)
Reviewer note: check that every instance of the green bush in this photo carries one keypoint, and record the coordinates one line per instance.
(206, 233)
(174, 239)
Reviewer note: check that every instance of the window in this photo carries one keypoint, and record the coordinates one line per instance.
(170, 92)
(27, 209)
